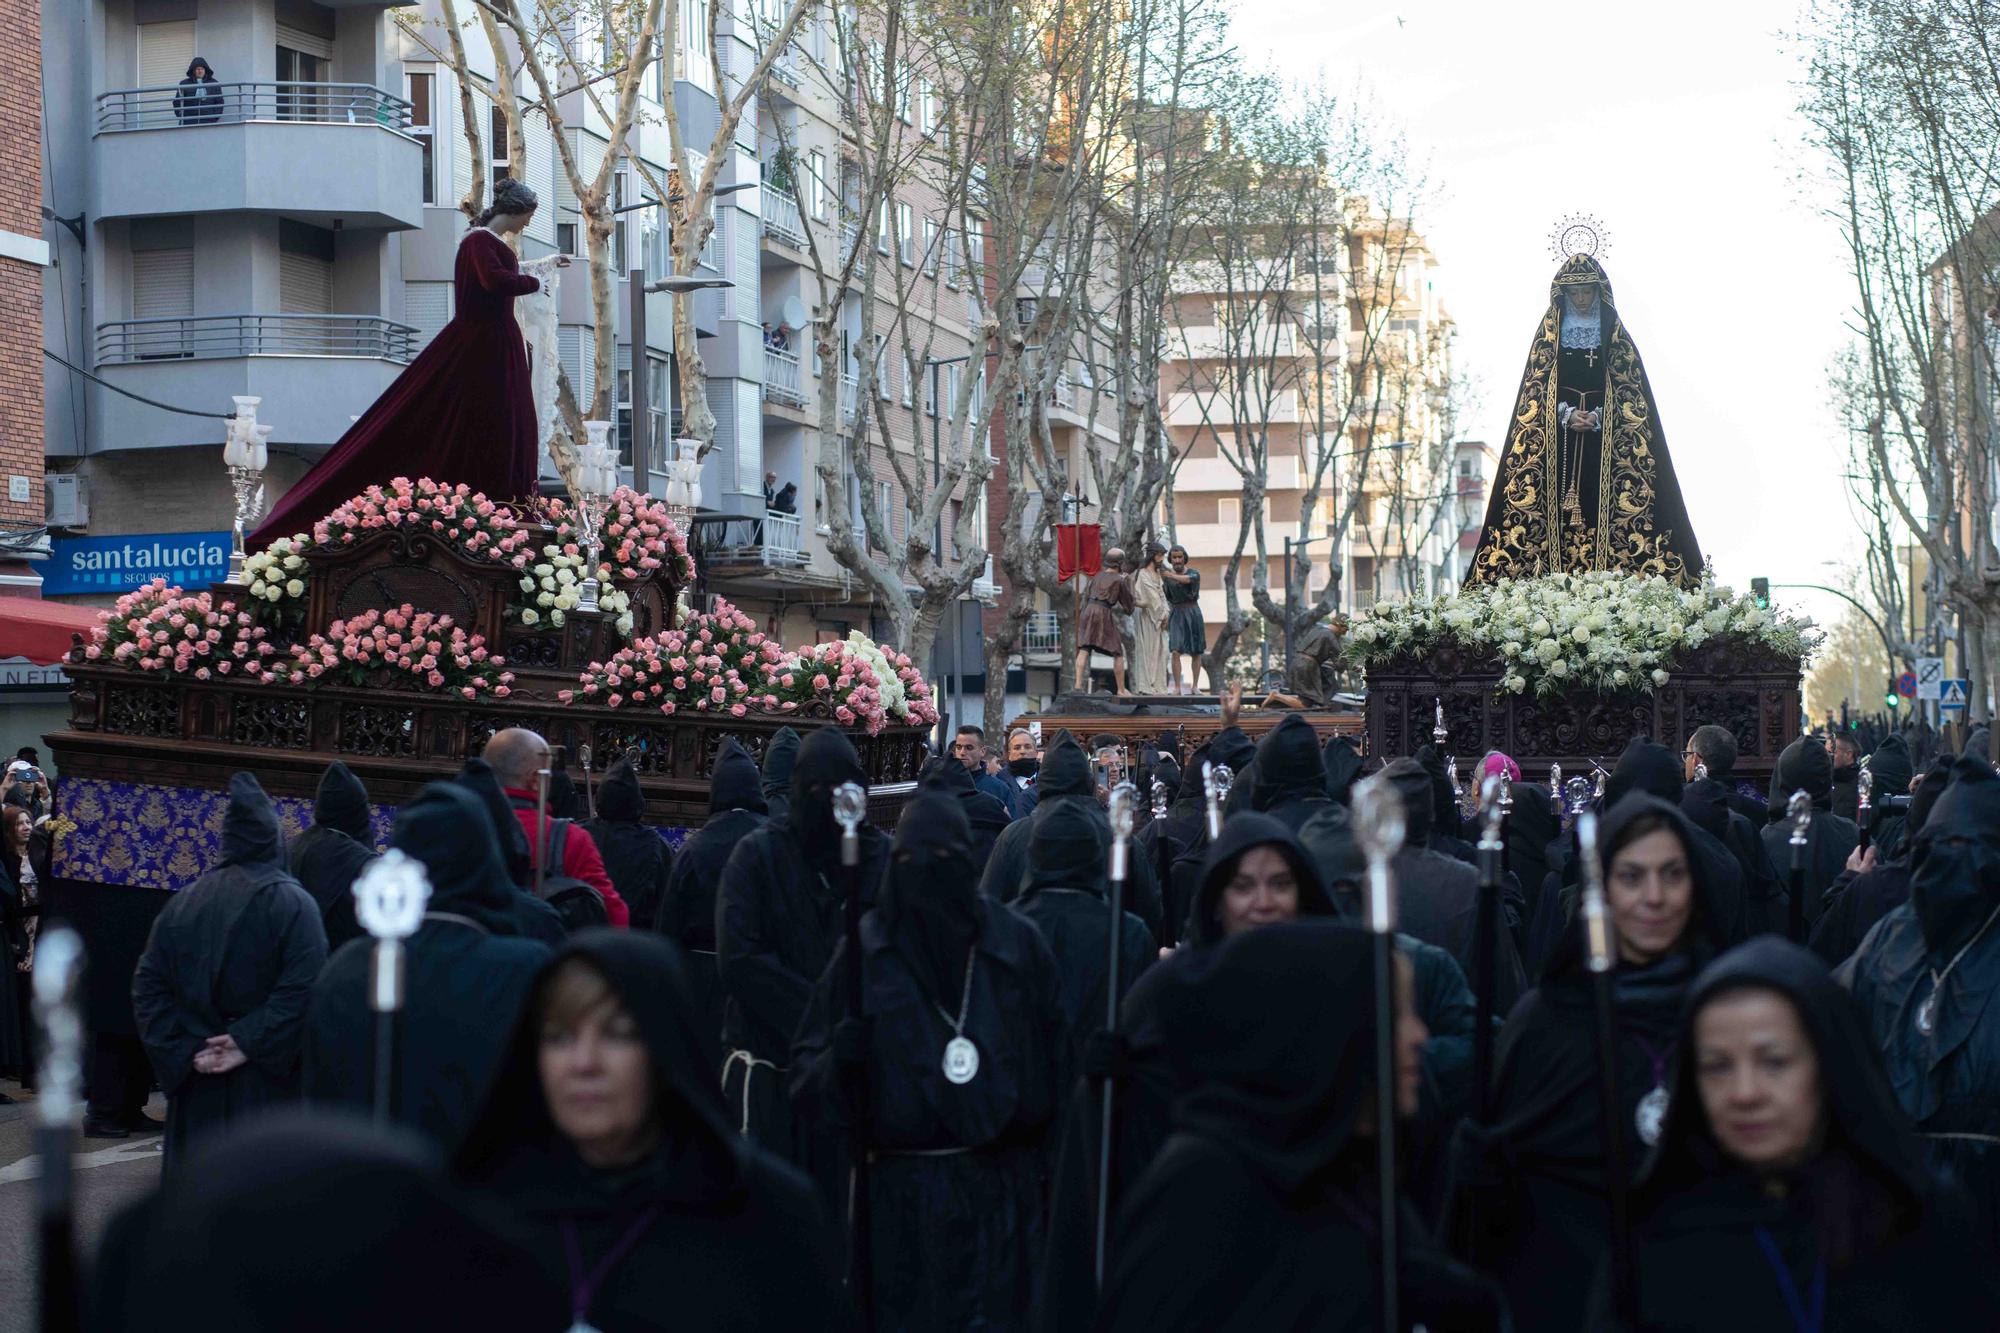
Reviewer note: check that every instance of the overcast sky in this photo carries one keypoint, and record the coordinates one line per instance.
(1674, 125)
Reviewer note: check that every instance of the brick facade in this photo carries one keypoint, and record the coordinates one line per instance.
(21, 283)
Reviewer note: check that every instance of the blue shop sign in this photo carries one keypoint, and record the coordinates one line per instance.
(119, 564)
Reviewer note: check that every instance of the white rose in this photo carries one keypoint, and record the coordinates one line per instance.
(295, 588)
(1540, 629)
(1619, 677)
(545, 599)
(555, 618)
(1581, 634)
(1548, 650)
(1515, 684)
(527, 585)
(625, 625)
(272, 592)
(1510, 649)
(565, 576)
(544, 570)
(530, 616)
(566, 601)
(293, 562)
(1558, 668)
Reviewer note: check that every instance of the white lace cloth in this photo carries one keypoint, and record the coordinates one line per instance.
(536, 314)
(1581, 331)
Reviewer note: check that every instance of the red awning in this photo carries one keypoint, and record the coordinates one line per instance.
(40, 631)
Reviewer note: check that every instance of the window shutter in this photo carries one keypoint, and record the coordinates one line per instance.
(307, 43)
(426, 306)
(165, 52)
(162, 284)
(305, 284)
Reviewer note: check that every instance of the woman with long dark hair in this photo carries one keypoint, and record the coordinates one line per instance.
(1789, 1189)
(462, 412)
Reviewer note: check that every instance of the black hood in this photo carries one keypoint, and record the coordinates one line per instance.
(619, 797)
(779, 757)
(1412, 782)
(929, 903)
(1065, 769)
(735, 783)
(1240, 833)
(251, 834)
(1335, 851)
(1704, 938)
(649, 978)
(207, 68)
(1066, 850)
(1649, 767)
(826, 760)
(1271, 1038)
(1342, 761)
(1955, 860)
(341, 804)
(447, 829)
(479, 778)
(1862, 1114)
(1167, 772)
(1288, 764)
(1444, 806)
(1890, 769)
(1804, 766)
(1230, 746)
(1979, 744)
(945, 775)
(1705, 802)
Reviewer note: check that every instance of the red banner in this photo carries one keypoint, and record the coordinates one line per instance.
(1079, 549)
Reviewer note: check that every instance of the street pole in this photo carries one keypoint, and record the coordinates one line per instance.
(1288, 602)
(642, 406)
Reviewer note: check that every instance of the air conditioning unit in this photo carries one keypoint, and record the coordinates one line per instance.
(69, 501)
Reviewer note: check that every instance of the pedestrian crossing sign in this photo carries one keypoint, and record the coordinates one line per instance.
(1952, 695)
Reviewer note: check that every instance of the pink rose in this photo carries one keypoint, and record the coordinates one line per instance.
(737, 710)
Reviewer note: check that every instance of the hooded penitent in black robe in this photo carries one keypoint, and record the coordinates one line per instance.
(1447, 827)
(466, 974)
(777, 920)
(1806, 766)
(532, 917)
(328, 857)
(1947, 1080)
(1533, 835)
(687, 909)
(1233, 750)
(781, 753)
(637, 858)
(737, 1241)
(1260, 1211)
(1653, 769)
(1065, 899)
(1139, 1061)
(956, 1168)
(316, 1223)
(1765, 903)
(235, 952)
(1856, 902)
(1527, 1196)
(987, 815)
(1290, 782)
(1437, 896)
(1065, 776)
(1891, 772)
(1628, 513)
(1894, 1245)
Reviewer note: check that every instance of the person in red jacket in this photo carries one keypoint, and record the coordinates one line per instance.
(516, 755)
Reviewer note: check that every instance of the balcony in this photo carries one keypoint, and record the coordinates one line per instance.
(758, 551)
(780, 220)
(313, 152)
(782, 382)
(1186, 409)
(314, 372)
(849, 386)
(1042, 633)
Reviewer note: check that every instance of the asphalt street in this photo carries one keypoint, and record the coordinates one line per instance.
(109, 1172)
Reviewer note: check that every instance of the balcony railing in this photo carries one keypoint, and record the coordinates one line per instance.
(785, 69)
(771, 539)
(849, 387)
(210, 337)
(1042, 634)
(171, 107)
(781, 217)
(781, 378)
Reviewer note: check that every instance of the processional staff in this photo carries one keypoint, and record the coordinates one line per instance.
(850, 807)
(1123, 798)
(1378, 823)
(1864, 801)
(1215, 787)
(1799, 811)
(1601, 958)
(1162, 862)
(1492, 846)
(57, 969)
(389, 902)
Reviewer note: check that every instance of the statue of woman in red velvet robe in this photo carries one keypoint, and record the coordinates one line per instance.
(462, 411)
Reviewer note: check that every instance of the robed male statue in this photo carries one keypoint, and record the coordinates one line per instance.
(1585, 481)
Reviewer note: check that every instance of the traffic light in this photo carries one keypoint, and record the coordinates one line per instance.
(1760, 592)
(1891, 700)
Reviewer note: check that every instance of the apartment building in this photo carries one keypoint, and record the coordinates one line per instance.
(23, 253)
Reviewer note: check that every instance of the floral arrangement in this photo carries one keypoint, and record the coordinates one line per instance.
(278, 572)
(637, 536)
(457, 514)
(160, 628)
(720, 663)
(1602, 630)
(553, 586)
(362, 649)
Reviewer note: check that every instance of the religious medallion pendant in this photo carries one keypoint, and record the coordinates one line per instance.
(1651, 1116)
(1927, 1015)
(961, 1060)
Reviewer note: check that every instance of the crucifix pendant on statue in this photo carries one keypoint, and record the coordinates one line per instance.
(1590, 358)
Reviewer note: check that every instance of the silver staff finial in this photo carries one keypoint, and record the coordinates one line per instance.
(1439, 732)
(390, 896)
(850, 807)
(1799, 811)
(1492, 810)
(1216, 784)
(1378, 823)
(1159, 799)
(57, 970)
(1596, 914)
(1124, 806)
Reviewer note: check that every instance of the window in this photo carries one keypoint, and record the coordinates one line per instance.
(498, 147)
(927, 107)
(884, 369)
(166, 49)
(930, 248)
(885, 499)
(975, 247)
(1229, 512)
(930, 390)
(882, 227)
(816, 189)
(951, 260)
(1468, 468)
(954, 374)
(657, 403)
(618, 229)
(566, 238)
(691, 59)
(910, 374)
(421, 88)
(305, 269)
(906, 239)
(296, 66)
(903, 108)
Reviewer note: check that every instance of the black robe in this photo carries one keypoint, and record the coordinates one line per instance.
(1065, 776)
(1895, 1246)
(1806, 766)
(956, 1170)
(1260, 1211)
(316, 1223)
(635, 856)
(987, 814)
(781, 754)
(1765, 902)
(1290, 780)
(328, 857)
(687, 908)
(532, 917)
(466, 977)
(235, 952)
(1947, 1081)
(778, 919)
(737, 1243)
(1526, 1201)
